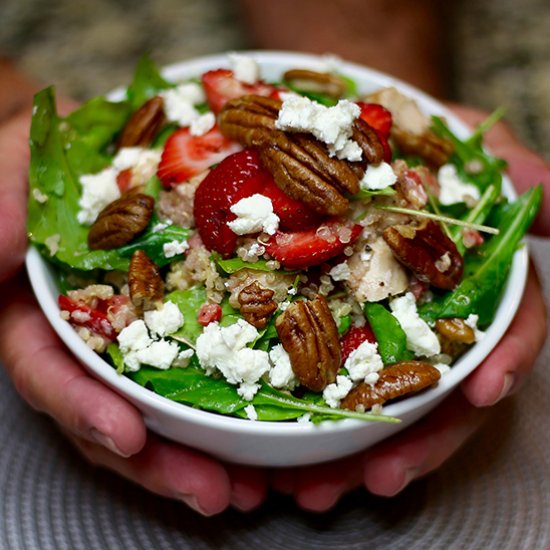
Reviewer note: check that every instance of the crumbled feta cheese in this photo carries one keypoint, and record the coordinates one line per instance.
(283, 306)
(335, 392)
(224, 349)
(165, 320)
(364, 362)
(131, 340)
(251, 413)
(331, 125)
(420, 338)
(281, 374)
(143, 163)
(254, 214)
(471, 321)
(203, 124)
(159, 354)
(174, 248)
(39, 196)
(179, 103)
(183, 358)
(304, 419)
(340, 272)
(161, 226)
(98, 190)
(52, 243)
(378, 176)
(452, 189)
(245, 68)
(292, 291)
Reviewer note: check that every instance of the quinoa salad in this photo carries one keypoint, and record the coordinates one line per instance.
(290, 250)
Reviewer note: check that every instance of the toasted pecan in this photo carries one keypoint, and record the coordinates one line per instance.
(394, 381)
(309, 335)
(145, 282)
(307, 80)
(428, 252)
(257, 304)
(120, 221)
(143, 125)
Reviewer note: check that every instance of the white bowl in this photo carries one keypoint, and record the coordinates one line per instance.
(272, 443)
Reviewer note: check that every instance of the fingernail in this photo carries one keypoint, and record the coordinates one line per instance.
(192, 502)
(106, 442)
(507, 386)
(409, 475)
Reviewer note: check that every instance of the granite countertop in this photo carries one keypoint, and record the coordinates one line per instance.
(87, 48)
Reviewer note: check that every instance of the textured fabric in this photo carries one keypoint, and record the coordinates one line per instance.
(494, 494)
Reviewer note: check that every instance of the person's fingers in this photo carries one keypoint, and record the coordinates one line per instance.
(14, 159)
(51, 380)
(248, 486)
(525, 167)
(390, 466)
(511, 361)
(169, 470)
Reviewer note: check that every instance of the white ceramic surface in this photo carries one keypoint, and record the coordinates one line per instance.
(271, 443)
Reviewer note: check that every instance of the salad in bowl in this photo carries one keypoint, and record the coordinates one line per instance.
(279, 239)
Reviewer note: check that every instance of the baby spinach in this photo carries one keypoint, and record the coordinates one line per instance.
(486, 273)
(391, 338)
(147, 82)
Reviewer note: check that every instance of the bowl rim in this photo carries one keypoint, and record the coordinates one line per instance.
(41, 277)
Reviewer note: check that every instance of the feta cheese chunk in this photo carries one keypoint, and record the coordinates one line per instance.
(131, 340)
(245, 68)
(471, 321)
(160, 354)
(254, 214)
(334, 393)
(143, 163)
(98, 190)
(281, 374)
(420, 338)
(225, 349)
(340, 272)
(378, 176)
(251, 413)
(364, 363)
(203, 124)
(453, 189)
(174, 248)
(331, 125)
(166, 320)
(179, 103)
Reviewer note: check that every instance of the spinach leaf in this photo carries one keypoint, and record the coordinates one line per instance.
(193, 387)
(147, 83)
(189, 302)
(486, 274)
(391, 338)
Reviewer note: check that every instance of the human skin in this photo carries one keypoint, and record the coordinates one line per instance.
(110, 432)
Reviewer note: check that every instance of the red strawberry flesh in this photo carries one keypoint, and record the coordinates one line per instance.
(353, 338)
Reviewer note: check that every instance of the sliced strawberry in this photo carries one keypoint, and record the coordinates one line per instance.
(235, 178)
(208, 313)
(220, 85)
(83, 315)
(294, 215)
(377, 116)
(353, 338)
(301, 249)
(185, 155)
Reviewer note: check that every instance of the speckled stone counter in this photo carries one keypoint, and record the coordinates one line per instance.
(86, 48)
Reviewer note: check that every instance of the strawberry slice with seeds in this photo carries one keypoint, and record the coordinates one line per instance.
(236, 177)
(220, 85)
(186, 155)
(301, 249)
(376, 116)
(294, 215)
(353, 338)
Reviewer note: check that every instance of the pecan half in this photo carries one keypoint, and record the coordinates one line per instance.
(454, 335)
(427, 145)
(309, 335)
(395, 381)
(145, 282)
(143, 125)
(257, 304)
(316, 82)
(120, 221)
(428, 252)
